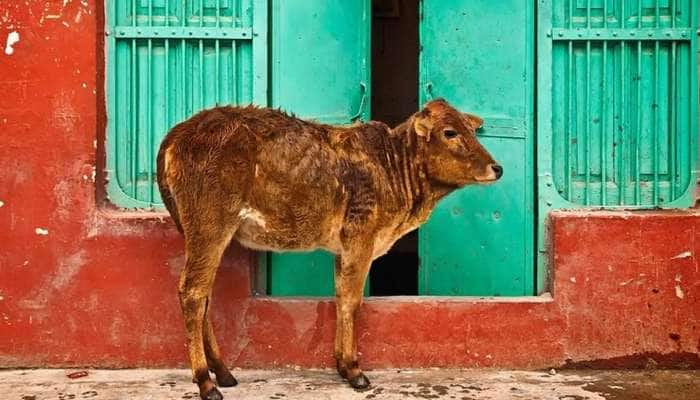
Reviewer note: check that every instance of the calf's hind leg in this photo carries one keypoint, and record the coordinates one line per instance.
(203, 251)
(224, 377)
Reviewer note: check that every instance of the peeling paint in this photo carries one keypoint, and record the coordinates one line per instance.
(64, 113)
(59, 280)
(679, 292)
(41, 231)
(12, 39)
(63, 197)
(684, 254)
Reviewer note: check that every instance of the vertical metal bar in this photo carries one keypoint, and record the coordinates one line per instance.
(201, 73)
(133, 12)
(639, 13)
(167, 84)
(234, 73)
(201, 12)
(604, 124)
(657, 14)
(133, 150)
(638, 131)
(623, 131)
(588, 121)
(571, 126)
(622, 14)
(183, 79)
(184, 96)
(571, 14)
(149, 120)
(605, 14)
(218, 13)
(588, 14)
(150, 12)
(673, 13)
(216, 74)
(655, 116)
(672, 133)
(236, 15)
(587, 196)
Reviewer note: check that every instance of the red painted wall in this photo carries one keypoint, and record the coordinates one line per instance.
(82, 284)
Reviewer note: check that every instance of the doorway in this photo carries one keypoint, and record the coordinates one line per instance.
(395, 55)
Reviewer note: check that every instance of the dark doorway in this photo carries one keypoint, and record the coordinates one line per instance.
(395, 47)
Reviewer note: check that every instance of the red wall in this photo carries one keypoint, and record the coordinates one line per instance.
(100, 288)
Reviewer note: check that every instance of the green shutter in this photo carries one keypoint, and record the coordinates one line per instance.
(165, 61)
(617, 105)
(320, 71)
(478, 54)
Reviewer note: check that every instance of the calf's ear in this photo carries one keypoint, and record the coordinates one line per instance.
(423, 124)
(474, 121)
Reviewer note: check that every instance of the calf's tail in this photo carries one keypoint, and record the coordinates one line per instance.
(163, 187)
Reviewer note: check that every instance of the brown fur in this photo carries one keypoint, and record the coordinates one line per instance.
(275, 182)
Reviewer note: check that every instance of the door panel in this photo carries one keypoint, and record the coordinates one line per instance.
(478, 55)
(320, 71)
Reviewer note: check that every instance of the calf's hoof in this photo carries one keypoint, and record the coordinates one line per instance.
(359, 382)
(212, 394)
(226, 379)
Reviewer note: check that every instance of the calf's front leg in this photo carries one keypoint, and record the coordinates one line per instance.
(350, 274)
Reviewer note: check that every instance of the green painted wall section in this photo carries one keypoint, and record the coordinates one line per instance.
(479, 56)
(165, 61)
(617, 109)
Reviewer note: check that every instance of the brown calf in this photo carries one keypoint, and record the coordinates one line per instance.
(274, 182)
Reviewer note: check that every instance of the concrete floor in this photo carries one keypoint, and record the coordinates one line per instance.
(387, 384)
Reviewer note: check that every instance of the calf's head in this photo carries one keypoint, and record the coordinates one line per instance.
(454, 156)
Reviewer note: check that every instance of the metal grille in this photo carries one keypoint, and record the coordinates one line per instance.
(624, 129)
(165, 61)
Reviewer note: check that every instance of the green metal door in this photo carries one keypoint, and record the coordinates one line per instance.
(478, 54)
(320, 71)
(618, 102)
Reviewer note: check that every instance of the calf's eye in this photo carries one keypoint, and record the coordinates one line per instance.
(450, 134)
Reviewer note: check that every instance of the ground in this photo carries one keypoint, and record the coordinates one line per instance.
(387, 384)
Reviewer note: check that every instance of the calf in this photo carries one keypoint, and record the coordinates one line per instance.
(275, 182)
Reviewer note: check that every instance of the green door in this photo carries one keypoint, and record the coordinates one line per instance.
(478, 55)
(320, 71)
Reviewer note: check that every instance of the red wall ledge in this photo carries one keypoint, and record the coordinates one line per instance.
(625, 294)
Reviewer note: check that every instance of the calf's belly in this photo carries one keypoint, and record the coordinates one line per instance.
(268, 232)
